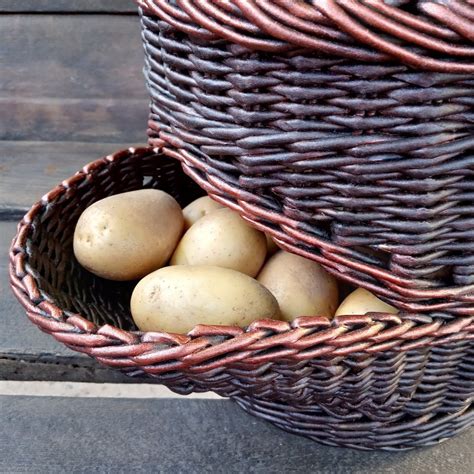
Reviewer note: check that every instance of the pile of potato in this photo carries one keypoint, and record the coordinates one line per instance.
(221, 271)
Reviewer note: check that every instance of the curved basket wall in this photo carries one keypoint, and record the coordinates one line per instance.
(369, 381)
(345, 129)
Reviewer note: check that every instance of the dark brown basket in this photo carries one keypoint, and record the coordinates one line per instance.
(369, 381)
(343, 128)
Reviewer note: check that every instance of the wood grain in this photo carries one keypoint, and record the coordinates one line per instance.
(30, 169)
(72, 77)
(84, 435)
(71, 56)
(59, 6)
(93, 120)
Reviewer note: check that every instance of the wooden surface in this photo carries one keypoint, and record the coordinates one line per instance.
(192, 436)
(41, 165)
(71, 91)
(72, 78)
(61, 6)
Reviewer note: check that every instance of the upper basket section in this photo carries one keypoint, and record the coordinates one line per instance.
(433, 35)
(342, 128)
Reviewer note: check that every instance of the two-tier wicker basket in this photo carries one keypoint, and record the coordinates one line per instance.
(344, 128)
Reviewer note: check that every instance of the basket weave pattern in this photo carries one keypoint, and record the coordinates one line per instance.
(344, 129)
(363, 381)
(352, 158)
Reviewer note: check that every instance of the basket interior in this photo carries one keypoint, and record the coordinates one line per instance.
(61, 279)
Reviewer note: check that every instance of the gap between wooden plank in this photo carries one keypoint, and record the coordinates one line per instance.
(29, 169)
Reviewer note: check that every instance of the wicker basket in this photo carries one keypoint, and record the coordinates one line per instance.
(344, 128)
(371, 381)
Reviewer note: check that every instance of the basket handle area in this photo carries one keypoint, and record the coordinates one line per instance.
(438, 38)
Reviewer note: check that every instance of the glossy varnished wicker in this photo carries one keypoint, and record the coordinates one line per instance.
(369, 381)
(344, 128)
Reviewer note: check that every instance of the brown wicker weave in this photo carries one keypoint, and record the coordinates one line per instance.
(344, 128)
(372, 381)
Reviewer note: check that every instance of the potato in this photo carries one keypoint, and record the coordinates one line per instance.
(302, 287)
(197, 209)
(127, 236)
(362, 301)
(272, 247)
(222, 238)
(175, 299)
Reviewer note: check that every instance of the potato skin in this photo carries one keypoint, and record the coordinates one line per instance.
(176, 299)
(128, 235)
(302, 287)
(224, 239)
(197, 209)
(362, 301)
(272, 247)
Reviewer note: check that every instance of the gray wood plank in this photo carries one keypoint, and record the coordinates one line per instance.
(58, 368)
(81, 6)
(26, 353)
(72, 77)
(30, 169)
(56, 435)
(93, 120)
(71, 56)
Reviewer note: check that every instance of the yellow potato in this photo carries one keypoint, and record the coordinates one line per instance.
(302, 287)
(127, 236)
(272, 247)
(197, 209)
(175, 299)
(362, 301)
(222, 238)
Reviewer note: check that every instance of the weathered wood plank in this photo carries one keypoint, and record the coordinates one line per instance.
(93, 120)
(71, 56)
(58, 368)
(30, 169)
(72, 77)
(83, 435)
(60, 6)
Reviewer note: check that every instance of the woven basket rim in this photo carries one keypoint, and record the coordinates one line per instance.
(435, 38)
(305, 338)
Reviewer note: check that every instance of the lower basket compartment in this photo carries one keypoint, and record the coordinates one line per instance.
(375, 381)
(404, 433)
